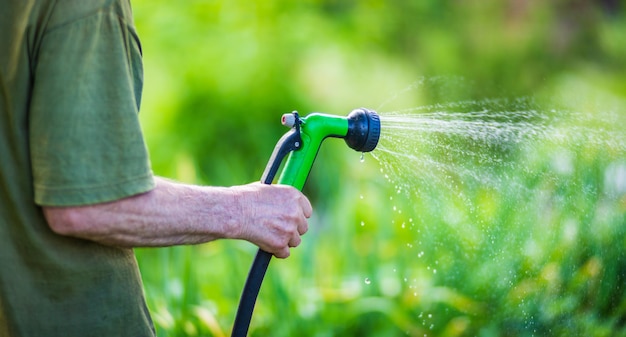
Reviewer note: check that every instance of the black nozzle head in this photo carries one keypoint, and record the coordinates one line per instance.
(363, 130)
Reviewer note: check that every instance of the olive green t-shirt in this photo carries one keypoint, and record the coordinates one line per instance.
(70, 89)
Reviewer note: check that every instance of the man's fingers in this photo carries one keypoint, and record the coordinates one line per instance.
(295, 241)
(283, 253)
(303, 227)
(305, 204)
(307, 211)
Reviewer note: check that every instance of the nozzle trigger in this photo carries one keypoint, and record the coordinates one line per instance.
(290, 141)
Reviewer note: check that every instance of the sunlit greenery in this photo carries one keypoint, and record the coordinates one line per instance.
(437, 259)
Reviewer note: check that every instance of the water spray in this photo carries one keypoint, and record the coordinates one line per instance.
(360, 130)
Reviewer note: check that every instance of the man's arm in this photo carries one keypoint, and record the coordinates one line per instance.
(271, 216)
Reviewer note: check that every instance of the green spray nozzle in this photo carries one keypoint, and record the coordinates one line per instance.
(361, 131)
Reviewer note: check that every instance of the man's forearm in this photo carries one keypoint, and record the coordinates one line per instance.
(173, 214)
(170, 214)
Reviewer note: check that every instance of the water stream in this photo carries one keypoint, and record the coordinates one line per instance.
(507, 206)
(486, 142)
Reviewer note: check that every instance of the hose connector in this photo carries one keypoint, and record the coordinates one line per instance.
(363, 130)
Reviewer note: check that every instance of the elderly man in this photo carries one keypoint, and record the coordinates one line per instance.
(76, 188)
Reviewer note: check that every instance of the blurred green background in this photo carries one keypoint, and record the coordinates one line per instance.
(472, 260)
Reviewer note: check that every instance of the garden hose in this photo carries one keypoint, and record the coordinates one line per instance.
(360, 130)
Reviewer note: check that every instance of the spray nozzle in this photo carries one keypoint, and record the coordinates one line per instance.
(361, 133)
(360, 130)
(363, 130)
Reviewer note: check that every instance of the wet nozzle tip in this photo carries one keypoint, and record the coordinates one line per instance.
(363, 130)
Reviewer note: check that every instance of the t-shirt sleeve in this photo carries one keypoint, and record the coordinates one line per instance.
(85, 139)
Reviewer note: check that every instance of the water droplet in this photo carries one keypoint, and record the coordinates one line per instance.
(367, 280)
(362, 157)
(362, 223)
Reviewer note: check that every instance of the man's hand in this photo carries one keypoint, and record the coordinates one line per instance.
(272, 216)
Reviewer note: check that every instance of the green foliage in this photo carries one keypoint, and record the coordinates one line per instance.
(414, 253)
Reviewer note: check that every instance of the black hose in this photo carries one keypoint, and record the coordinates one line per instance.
(250, 293)
(289, 142)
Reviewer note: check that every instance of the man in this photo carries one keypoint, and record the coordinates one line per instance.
(76, 188)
